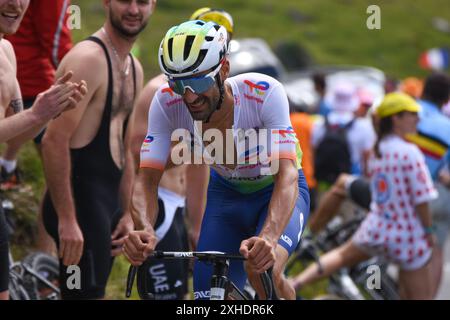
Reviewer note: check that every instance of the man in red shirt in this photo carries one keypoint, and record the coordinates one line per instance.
(40, 44)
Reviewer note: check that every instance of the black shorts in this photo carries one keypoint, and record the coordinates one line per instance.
(96, 262)
(4, 252)
(167, 279)
(359, 192)
(27, 104)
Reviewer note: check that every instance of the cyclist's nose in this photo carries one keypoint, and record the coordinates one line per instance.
(189, 96)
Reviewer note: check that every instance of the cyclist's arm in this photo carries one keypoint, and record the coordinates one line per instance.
(282, 202)
(275, 115)
(197, 177)
(153, 158)
(144, 202)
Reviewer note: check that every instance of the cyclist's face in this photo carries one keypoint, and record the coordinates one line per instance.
(201, 105)
(130, 17)
(11, 14)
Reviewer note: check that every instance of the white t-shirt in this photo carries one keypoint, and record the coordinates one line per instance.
(361, 135)
(260, 102)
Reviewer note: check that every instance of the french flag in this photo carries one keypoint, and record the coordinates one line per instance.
(435, 59)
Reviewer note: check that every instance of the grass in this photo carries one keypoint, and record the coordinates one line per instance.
(332, 31)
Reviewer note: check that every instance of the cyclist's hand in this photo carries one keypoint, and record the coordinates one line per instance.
(124, 227)
(71, 242)
(259, 252)
(138, 246)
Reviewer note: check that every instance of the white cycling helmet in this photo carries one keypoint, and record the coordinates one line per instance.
(192, 47)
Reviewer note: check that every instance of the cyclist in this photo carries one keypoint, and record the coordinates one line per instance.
(399, 225)
(19, 125)
(83, 151)
(182, 188)
(247, 209)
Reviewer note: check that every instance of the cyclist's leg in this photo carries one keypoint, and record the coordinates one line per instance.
(286, 244)
(330, 203)
(218, 234)
(4, 257)
(229, 218)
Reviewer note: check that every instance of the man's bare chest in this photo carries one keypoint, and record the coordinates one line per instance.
(8, 83)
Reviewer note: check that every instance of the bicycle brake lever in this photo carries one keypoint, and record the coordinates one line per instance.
(130, 279)
(273, 295)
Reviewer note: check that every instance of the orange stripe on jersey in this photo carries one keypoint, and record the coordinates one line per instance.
(152, 164)
(284, 155)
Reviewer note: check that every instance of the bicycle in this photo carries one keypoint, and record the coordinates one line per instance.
(222, 288)
(33, 277)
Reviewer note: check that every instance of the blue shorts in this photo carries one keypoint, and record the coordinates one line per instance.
(232, 217)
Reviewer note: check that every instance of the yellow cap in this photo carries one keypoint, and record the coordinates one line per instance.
(218, 16)
(396, 102)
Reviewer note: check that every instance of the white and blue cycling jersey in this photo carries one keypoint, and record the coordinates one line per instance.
(238, 197)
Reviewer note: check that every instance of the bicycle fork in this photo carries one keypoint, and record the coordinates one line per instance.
(219, 280)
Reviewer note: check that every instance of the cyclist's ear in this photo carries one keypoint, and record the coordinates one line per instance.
(225, 70)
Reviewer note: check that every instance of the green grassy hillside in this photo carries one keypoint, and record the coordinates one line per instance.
(333, 31)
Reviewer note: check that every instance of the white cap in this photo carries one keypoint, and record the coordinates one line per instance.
(344, 98)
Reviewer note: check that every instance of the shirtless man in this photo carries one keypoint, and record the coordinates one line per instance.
(83, 151)
(17, 125)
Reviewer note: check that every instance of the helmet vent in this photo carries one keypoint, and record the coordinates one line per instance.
(188, 46)
(170, 46)
(209, 38)
(201, 57)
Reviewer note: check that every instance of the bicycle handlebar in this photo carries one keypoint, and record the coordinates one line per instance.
(208, 256)
(199, 255)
